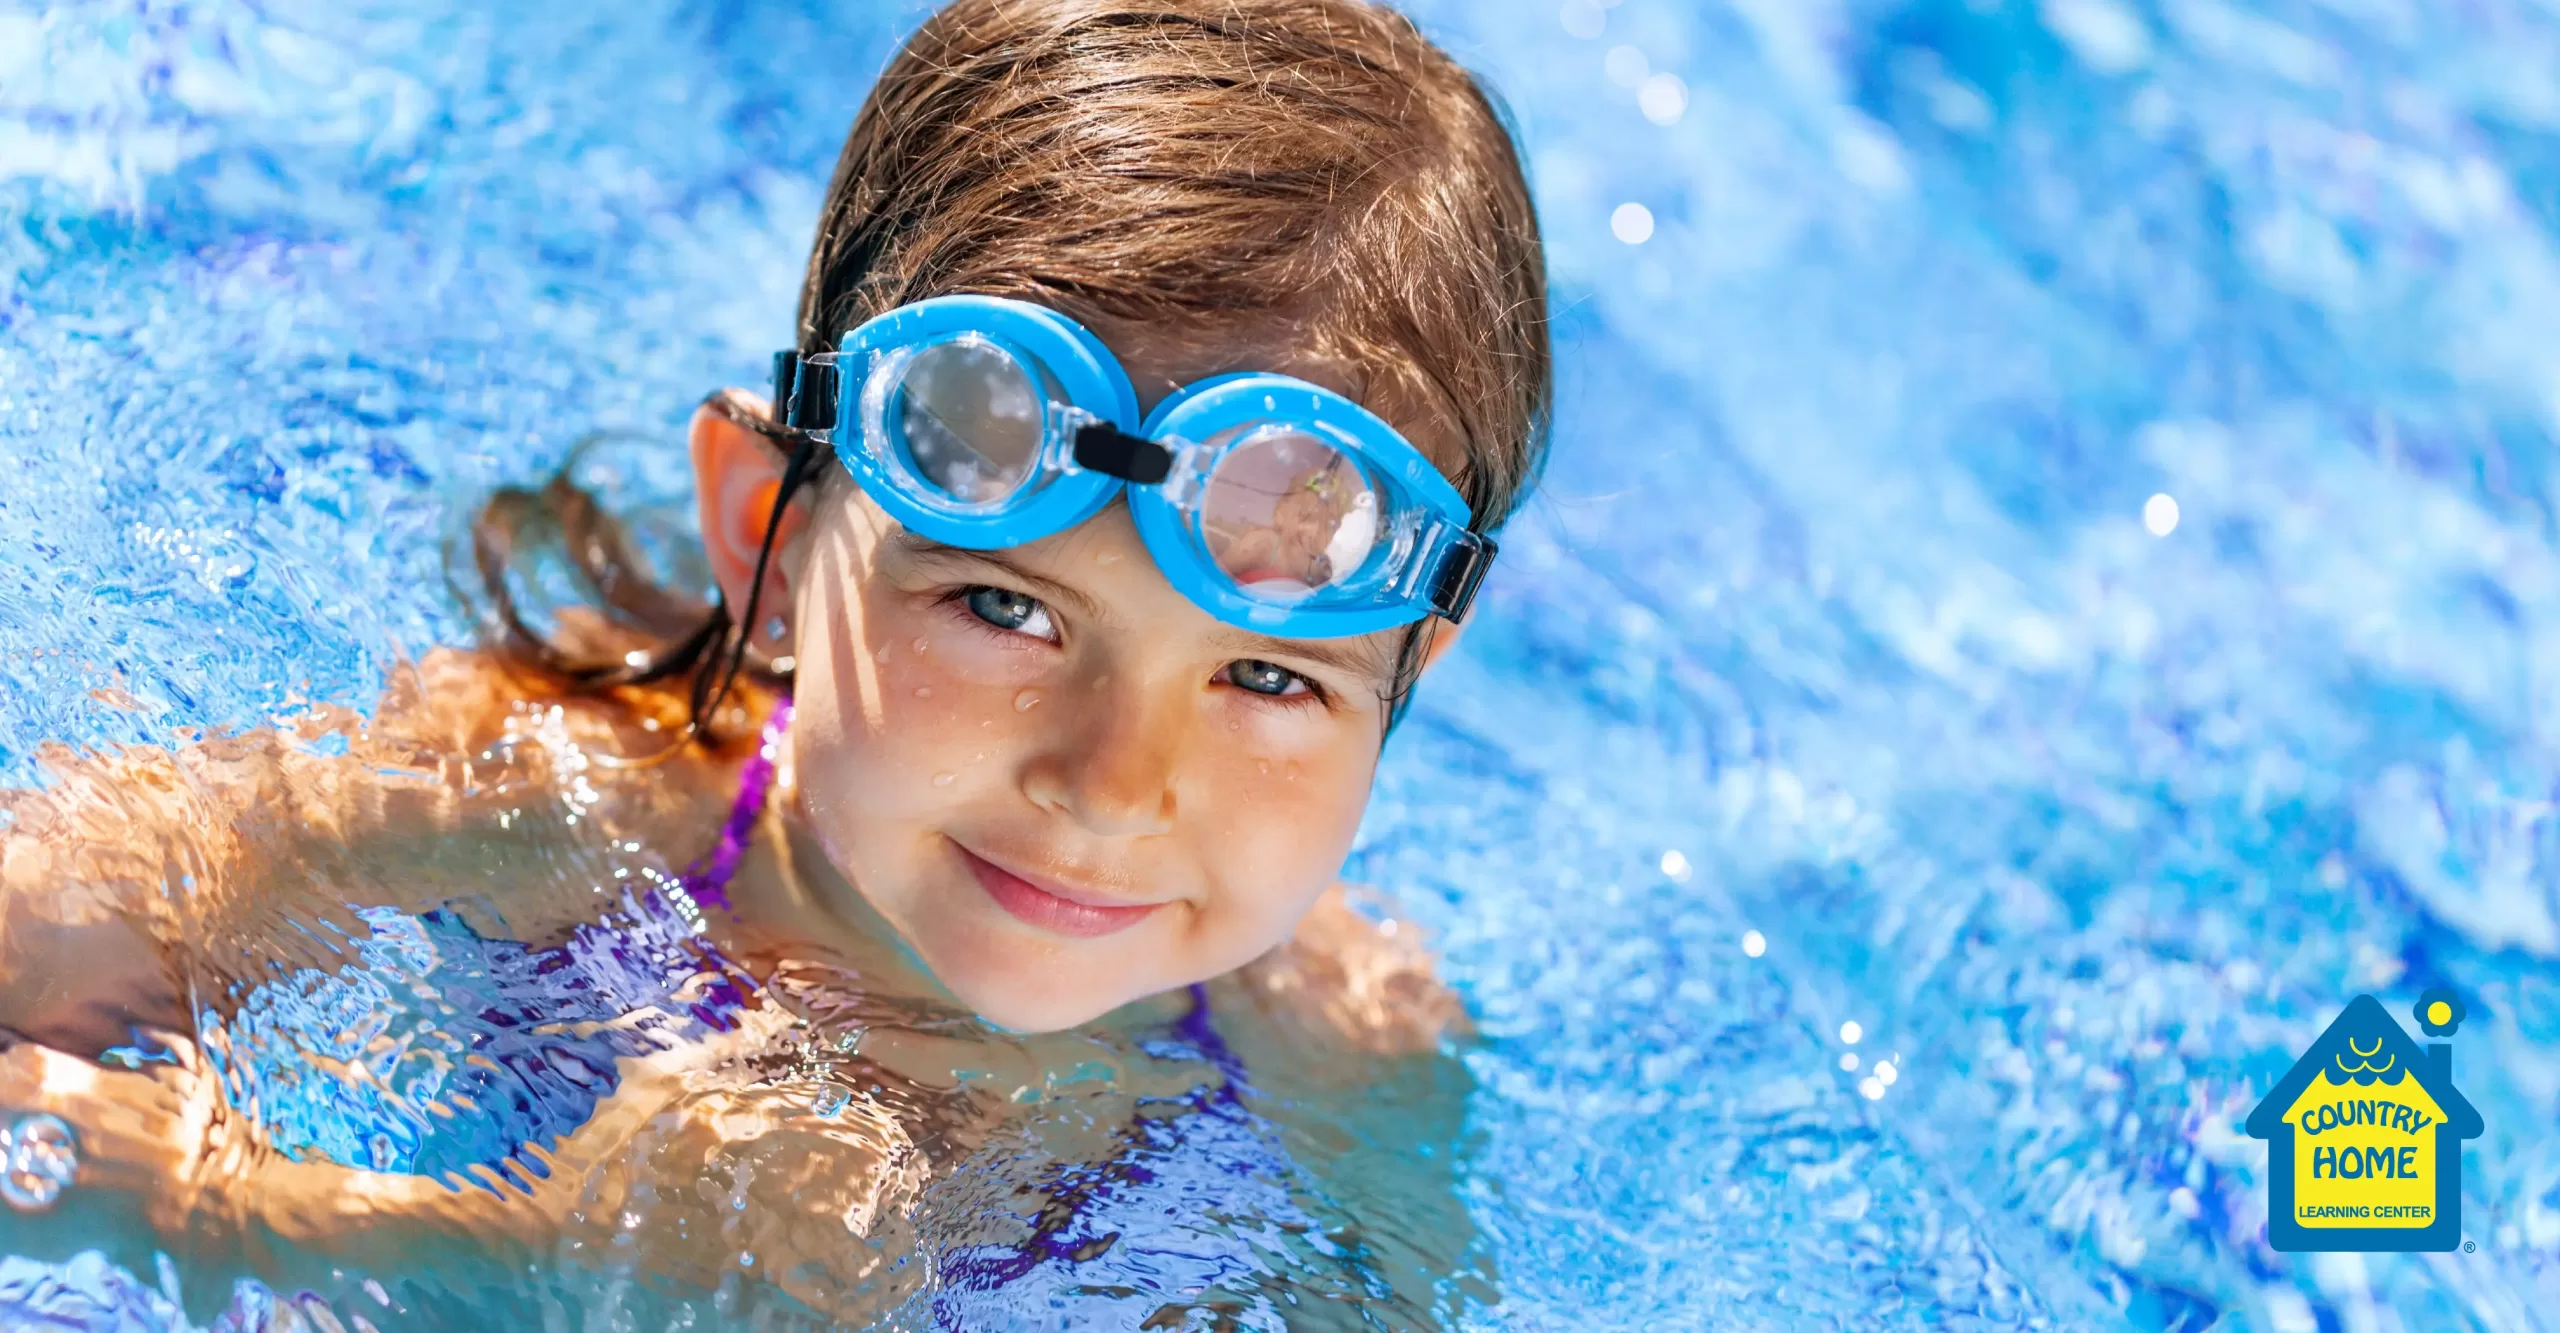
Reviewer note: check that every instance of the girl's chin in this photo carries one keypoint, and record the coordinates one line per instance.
(1031, 989)
(1031, 1015)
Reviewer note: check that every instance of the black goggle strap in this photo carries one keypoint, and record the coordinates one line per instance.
(804, 392)
(1453, 589)
(1462, 569)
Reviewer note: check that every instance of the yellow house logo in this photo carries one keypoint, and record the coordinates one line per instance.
(2364, 1135)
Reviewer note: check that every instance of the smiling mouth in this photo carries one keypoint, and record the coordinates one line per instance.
(1053, 907)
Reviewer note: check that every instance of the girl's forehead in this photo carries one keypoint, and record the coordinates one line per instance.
(1161, 358)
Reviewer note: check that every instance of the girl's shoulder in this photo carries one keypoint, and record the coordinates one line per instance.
(1358, 975)
(458, 741)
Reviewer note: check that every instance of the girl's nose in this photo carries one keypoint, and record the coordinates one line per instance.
(1111, 767)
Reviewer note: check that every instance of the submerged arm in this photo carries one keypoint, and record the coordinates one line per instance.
(138, 871)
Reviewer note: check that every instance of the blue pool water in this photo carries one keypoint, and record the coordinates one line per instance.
(1842, 626)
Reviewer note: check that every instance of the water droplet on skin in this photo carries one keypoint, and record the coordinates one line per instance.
(1291, 772)
(1262, 765)
(1026, 701)
(883, 654)
(945, 779)
(42, 1156)
(924, 691)
(1235, 724)
(921, 645)
(1107, 558)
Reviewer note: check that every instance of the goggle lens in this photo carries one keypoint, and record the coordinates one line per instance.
(1287, 515)
(970, 416)
(1271, 503)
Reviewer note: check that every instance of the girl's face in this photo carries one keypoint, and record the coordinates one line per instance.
(1066, 786)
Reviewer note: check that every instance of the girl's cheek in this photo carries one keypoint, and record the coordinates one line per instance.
(1292, 734)
(976, 659)
(971, 652)
(1277, 849)
(1293, 790)
(951, 693)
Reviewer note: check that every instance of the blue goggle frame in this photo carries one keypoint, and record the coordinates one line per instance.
(1424, 559)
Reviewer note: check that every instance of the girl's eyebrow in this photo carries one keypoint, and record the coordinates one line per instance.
(1050, 590)
(1355, 656)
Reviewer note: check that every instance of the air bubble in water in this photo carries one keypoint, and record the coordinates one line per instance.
(43, 1156)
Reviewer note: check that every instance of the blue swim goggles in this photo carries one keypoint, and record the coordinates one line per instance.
(1273, 504)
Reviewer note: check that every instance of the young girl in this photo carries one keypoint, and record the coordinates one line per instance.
(1163, 374)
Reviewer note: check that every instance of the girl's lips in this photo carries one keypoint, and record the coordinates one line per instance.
(1050, 908)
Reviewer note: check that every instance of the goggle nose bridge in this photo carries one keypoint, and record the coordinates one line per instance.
(1113, 452)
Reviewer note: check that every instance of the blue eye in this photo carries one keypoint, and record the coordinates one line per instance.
(1009, 610)
(1265, 679)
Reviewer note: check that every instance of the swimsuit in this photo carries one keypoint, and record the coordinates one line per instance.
(1197, 1201)
(440, 1052)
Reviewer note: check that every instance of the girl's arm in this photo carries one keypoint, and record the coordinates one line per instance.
(80, 986)
(138, 877)
(687, 1173)
(136, 871)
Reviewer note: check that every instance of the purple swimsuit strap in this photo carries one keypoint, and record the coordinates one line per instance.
(708, 881)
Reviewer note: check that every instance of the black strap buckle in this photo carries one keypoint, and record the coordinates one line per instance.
(1462, 571)
(1113, 452)
(804, 392)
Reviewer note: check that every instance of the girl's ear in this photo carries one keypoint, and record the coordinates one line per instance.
(1443, 634)
(736, 474)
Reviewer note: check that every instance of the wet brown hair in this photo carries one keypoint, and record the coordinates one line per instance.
(1196, 166)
